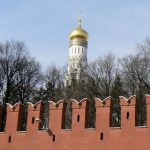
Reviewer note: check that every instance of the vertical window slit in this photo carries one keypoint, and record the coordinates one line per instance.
(9, 139)
(53, 138)
(128, 115)
(33, 120)
(78, 118)
(101, 136)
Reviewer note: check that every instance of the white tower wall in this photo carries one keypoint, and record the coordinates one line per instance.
(77, 60)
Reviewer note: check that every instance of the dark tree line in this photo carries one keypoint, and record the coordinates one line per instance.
(21, 79)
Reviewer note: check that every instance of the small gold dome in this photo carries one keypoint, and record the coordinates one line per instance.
(79, 32)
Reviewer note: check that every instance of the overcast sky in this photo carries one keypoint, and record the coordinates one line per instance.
(45, 25)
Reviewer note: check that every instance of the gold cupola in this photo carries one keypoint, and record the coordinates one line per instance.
(79, 32)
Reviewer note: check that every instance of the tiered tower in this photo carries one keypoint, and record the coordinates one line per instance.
(77, 61)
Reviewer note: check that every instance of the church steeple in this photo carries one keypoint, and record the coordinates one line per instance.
(77, 62)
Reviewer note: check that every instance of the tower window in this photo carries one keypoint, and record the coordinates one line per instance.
(82, 81)
(75, 70)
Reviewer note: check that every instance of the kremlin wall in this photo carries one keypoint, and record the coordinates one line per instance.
(79, 137)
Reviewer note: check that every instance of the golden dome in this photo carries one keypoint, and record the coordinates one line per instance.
(79, 32)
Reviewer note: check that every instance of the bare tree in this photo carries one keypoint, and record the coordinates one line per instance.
(144, 48)
(1, 84)
(136, 77)
(136, 72)
(21, 72)
(53, 88)
(55, 81)
(101, 74)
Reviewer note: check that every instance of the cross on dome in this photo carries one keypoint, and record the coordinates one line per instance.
(79, 22)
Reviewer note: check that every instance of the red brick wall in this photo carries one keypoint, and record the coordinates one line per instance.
(103, 137)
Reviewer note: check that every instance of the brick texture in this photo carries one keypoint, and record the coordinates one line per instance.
(79, 137)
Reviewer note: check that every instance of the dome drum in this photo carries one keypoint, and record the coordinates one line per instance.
(79, 42)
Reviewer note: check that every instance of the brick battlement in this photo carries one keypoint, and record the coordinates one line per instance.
(79, 137)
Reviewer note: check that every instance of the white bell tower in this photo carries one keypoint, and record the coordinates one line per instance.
(77, 61)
